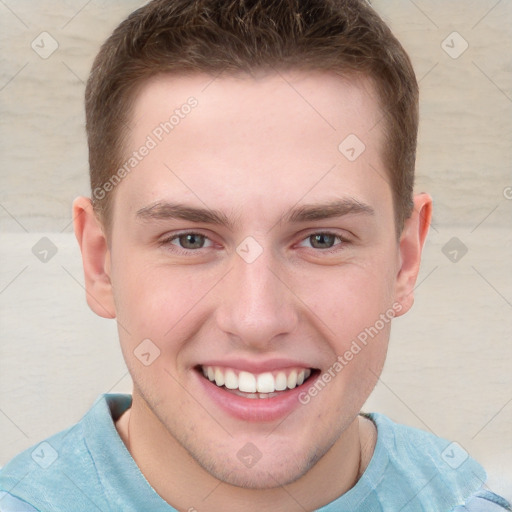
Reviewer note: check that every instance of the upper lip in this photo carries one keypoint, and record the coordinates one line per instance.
(253, 366)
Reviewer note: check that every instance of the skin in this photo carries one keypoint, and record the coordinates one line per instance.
(254, 150)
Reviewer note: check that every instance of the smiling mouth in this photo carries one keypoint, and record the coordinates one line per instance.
(255, 386)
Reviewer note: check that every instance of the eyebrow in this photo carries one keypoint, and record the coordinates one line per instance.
(165, 210)
(339, 208)
(304, 213)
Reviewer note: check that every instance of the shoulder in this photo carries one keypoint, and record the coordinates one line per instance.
(43, 471)
(484, 501)
(428, 467)
(423, 452)
(9, 503)
(58, 469)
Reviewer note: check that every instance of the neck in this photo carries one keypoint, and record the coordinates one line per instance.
(184, 484)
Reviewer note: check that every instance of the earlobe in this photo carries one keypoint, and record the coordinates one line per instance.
(95, 257)
(412, 240)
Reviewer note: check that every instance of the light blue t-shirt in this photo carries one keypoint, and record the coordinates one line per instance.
(88, 468)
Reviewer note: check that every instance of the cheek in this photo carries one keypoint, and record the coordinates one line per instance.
(160, 303)
(356, 306)
(350, 299)
(155, 297)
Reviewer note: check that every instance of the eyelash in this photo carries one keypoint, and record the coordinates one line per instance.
(188, 252)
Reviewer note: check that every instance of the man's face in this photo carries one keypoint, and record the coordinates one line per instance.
(300, 257)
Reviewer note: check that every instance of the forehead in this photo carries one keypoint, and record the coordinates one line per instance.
(323, 101)
(240, 138)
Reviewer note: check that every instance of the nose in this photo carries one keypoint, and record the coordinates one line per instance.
(257, 308)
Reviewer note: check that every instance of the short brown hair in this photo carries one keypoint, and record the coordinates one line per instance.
(212, 36)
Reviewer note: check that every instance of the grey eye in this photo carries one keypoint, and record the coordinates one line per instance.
(322, 240)
(191, 240)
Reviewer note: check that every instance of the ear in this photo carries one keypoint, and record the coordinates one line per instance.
(411, 244)
(95, 257)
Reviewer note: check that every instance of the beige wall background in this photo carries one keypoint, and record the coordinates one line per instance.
(449, 365)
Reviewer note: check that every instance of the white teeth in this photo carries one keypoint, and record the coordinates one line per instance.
(219, 377)
(281, 381)
(292, 379)
(231, 380)
(265, 383)
(247, 382)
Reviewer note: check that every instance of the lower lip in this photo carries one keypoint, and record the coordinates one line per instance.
(255, 409)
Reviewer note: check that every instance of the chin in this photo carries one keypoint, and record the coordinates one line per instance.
(257, 478)
(267, 472)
